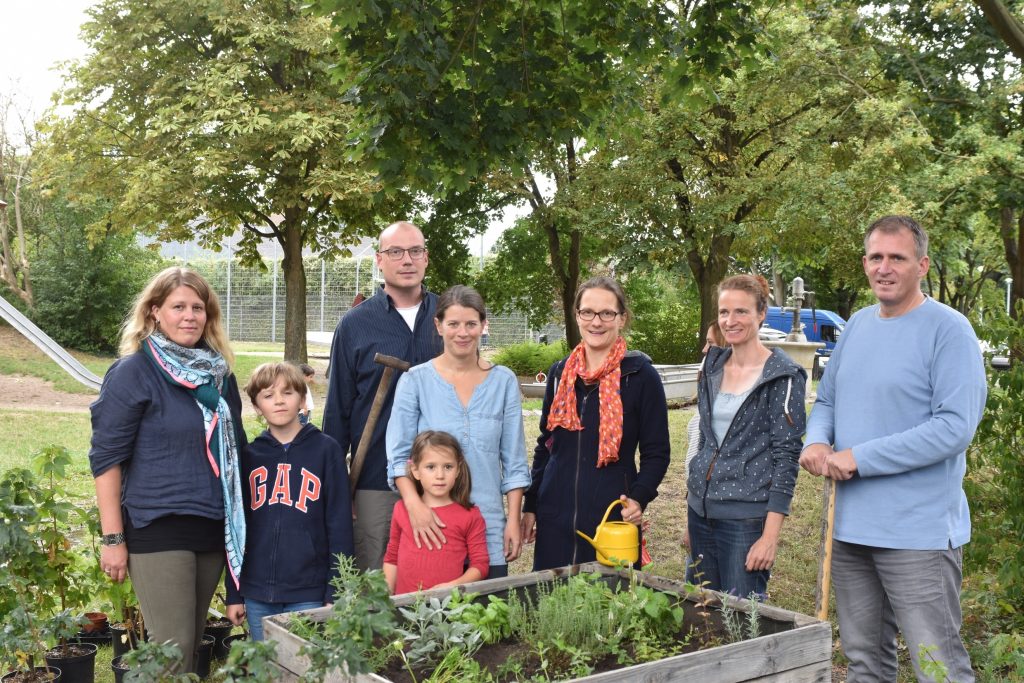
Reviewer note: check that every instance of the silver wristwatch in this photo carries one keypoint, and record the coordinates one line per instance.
(112, 539)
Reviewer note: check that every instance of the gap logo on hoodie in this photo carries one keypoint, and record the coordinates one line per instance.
(281, 493)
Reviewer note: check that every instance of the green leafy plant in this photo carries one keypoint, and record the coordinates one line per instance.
(432, 629)
(36, 576)
(362, 613)
(249, 660)
(529, 358)
(491, 620)
(1003, 657)
(154, 662)
(931, 667)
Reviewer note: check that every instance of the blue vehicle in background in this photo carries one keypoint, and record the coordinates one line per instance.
(820, 325)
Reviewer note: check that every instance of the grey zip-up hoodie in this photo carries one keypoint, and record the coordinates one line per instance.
(754, 470)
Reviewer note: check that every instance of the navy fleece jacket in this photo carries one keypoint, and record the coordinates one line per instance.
(298, 516)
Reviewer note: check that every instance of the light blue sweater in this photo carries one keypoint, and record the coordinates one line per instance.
(906, 393)
(489, 429)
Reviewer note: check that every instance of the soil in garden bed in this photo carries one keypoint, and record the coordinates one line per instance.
(500, 658)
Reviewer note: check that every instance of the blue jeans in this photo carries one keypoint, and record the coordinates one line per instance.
(255, 610)
(719, 549)
(880, 591)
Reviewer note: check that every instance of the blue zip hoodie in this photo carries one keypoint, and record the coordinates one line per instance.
(298, 515)
(753, 471)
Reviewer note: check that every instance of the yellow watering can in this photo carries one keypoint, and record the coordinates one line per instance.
(616, 543)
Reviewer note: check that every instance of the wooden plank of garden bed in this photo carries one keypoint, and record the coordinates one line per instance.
(812, 673)
(769, 658)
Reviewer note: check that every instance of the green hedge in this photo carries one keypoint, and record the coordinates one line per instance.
(529, 358)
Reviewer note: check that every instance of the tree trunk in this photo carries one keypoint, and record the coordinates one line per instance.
(707, 274)
(567, 272)
(294, 286)
(1011, 229)
(1006, 25)
(26, 278)
(844, 302)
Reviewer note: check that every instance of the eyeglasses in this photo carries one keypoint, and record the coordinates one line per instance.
(588, 315)
(396, 253)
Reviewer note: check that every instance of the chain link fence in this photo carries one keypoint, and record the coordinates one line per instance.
(253, 299)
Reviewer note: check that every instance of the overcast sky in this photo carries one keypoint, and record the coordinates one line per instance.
(36, 36)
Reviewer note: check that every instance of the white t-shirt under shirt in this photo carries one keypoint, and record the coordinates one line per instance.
(409, 315)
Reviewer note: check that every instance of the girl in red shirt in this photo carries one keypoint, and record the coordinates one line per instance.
(442, 480)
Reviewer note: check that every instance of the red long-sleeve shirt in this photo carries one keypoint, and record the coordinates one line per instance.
(420, 568)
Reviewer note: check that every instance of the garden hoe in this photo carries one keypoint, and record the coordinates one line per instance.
(390, 364)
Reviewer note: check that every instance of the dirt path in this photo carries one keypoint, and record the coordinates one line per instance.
(32, 393)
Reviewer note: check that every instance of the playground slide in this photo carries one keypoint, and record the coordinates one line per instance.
(48, 346)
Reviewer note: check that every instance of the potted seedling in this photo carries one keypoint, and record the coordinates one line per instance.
(151, 663)
(28, 578)
(63, 572)
(249, 660)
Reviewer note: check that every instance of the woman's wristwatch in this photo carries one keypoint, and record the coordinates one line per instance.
(112, 539)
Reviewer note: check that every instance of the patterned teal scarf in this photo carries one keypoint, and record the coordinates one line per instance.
(202, 373)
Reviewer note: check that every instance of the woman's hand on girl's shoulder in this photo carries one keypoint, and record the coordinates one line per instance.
(426, 526)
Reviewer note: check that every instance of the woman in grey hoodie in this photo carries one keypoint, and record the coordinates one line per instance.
(740, 483)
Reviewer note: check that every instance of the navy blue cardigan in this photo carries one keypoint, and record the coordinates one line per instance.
(372, 327)
(154, 431)
(569, 491)
(298, 518)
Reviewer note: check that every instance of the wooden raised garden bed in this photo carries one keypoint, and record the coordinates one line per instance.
(792, 647)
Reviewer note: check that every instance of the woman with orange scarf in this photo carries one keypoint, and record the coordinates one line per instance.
(602, 403)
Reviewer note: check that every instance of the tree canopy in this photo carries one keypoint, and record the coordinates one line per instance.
(197, 118)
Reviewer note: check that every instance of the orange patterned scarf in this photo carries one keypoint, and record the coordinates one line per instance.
(563, 407)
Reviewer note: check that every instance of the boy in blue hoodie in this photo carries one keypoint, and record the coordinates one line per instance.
(297, 505)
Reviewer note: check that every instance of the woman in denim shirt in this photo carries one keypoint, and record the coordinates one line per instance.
(479, 404)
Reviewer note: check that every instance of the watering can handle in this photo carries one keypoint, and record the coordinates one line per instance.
(607, 512)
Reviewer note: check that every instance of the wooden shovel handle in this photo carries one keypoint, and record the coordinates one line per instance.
(828, 522)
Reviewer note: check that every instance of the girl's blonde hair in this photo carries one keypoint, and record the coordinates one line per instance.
(140, 323)
(431, 439)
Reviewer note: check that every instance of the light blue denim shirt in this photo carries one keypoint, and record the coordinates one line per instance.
(489, 429)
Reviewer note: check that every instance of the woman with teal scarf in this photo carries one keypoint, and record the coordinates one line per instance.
(167, 433)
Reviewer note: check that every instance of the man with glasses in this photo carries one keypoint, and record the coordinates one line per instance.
(397, 321)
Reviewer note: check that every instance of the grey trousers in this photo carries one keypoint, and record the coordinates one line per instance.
(174, 590)
(881, 591)
(372, 526)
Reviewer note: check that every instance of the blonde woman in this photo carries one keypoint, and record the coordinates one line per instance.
(740, 483)
(167, 431)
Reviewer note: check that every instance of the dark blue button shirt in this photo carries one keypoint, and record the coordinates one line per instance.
(374, 326)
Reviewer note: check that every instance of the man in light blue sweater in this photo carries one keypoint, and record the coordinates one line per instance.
(898, 405)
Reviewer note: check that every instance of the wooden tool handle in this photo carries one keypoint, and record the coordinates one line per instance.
(828, 522)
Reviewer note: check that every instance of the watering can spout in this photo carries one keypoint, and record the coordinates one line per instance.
(588, 539)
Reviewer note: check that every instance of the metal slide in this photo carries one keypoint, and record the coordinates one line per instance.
(48, 346)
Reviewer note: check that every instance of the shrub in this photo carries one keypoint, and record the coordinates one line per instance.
(995, 483)
(529, 358)
(666, 319)
(84, 285)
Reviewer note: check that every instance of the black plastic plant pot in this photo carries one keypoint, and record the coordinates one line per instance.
(79, 667)
(41, 674)
(122, 640)
(204, 656)
(94, 637)
(219, 629)
(118, 669)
